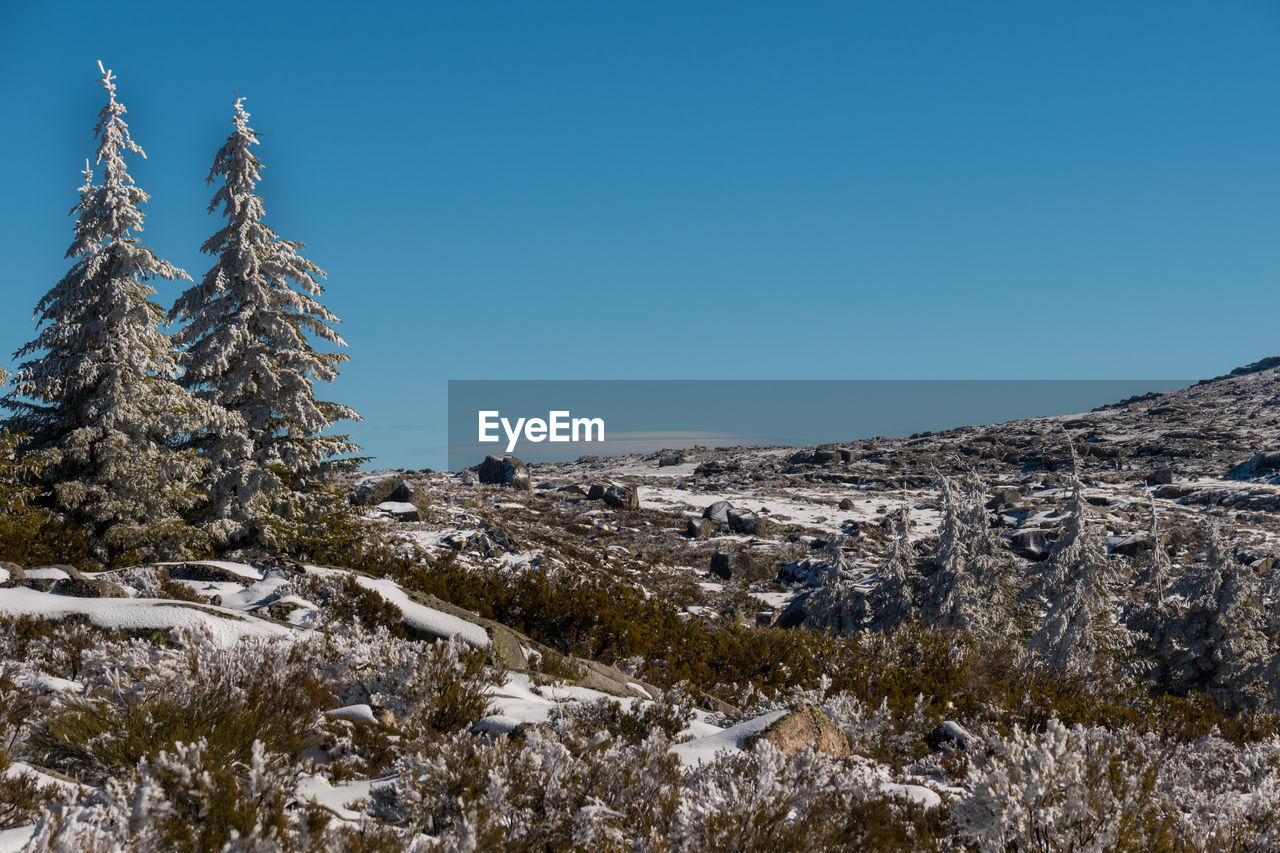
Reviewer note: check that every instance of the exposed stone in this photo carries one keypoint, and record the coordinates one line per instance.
(410, 492)
(401, 511)
(376, 487)
(697, 528)
(1160, 477)
(596, 492)
(83, 587)
(805, 728)
(504, 471)
(1031, 544)
(666, 460)
(622, 497)
(846, 504)
(822, 457)
(740, 565)
(747, 522)
(718, 512)
(204, 573)
(1002, 497)
(950, 736)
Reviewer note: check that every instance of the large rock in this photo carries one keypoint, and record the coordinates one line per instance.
(718, 512)
(822, 457)
(747, 522)
(401, 511)
(1160, 477)
(11, 574)
(83, 587)
(740, 565)
(667, 460)
(205, 573)
(376, 487)
(504, 471)
(622, 497)
(1034, 545)
(805, 728)
(697, 528)
(1261, 463)
(409, 492)
(1005, 496)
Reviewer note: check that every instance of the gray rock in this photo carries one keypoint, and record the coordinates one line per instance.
(504, 471)
(376, 487)
(949, 735)
(792, 616)
(1002, 497)
(401, 511)
(622, 497)
(16, 574)
(822, 457)
(1260, 463)
(697, 528)
(718, 512)
(596, 492)
(668, 459)
(1174, 492)
(204, 573)
(747, 522)
(740, 565)
(409, 492)
(1031, 544)
(846, 504)
(1160, 477)
(83, 587)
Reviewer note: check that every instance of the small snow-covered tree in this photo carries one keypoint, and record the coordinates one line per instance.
(247, 341)
(892, 600)
(969, 586)
(1152, 610)
(1219, 645)
(97, 397)
(838, 604)
(1080, 622)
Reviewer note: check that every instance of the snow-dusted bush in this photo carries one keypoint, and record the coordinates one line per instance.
(893, 601)
(438, 686)
(141, 698)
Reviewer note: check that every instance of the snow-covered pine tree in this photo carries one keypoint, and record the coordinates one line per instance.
(892, 600)
(97, 397)
(1152, 611)
(247, 342)
(1080, 621)
(961, 591)
(838, 604)
(1219, 645)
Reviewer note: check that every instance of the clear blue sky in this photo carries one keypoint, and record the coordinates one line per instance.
(711, 189)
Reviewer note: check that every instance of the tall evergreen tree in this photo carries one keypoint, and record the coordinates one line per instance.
(248, 345)
(97, 397)
(968, 588)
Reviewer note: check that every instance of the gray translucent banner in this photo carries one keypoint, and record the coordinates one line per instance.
(642, 416)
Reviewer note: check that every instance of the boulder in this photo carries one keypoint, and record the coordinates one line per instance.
(718, 512)
(846, 455)
(666, 460)
(205, 573)
(822, 457)
(410, 492)
(1139, 543)
(376, 487)
(1160, 477)
(805, 728)
(1173, 492)
(1260, 463)
(573, 491)
(83, 587)
(747, 522)
(740, 565)
(949, 736)
(13, 575)
(1031, 544)
(401, 511)
(697, 528)
(1006, 496)
(622, 497)
(596, 492)
(792, 616)
(505, 471)
(846, 504)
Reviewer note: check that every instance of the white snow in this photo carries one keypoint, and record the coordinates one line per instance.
(705, 748)
(361, 712)
(418, 616)
(143, 614)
